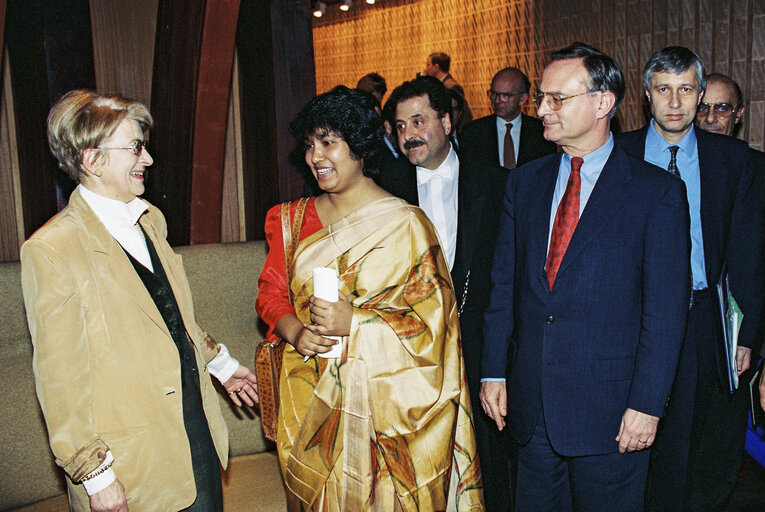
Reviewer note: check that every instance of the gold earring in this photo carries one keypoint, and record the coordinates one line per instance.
(98, 173)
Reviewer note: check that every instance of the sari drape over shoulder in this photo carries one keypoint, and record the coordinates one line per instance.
(383, 426)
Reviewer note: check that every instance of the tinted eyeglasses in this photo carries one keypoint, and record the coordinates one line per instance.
(136, 146)
(503, 96)
(720, 109)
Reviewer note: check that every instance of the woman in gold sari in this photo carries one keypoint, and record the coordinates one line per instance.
(387, 425)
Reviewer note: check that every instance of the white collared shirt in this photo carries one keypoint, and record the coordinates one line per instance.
(515, 134)
(121, 221)
(437, 193)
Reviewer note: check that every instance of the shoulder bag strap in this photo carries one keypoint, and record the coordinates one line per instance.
(291, 235)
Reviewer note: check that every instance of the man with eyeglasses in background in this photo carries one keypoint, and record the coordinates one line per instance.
(589, 295)
(722, 110)
(687, 471)
(486, 139)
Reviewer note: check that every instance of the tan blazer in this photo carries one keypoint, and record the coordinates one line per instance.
(107, 371)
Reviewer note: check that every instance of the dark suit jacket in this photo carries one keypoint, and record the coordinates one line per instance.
(608, 335)
(480, 198)
(731, 225)
(467, 115)
(478, 141)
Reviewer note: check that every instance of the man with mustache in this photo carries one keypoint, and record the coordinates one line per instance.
(462, 200)
(726, 243)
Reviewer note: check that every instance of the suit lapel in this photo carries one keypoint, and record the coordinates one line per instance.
(491, 135)
(110, 255)
(470, 212)
(539, 221)
(713, 190)
(606, 198)
(524, 148)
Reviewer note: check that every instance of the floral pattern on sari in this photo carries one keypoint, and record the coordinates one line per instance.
(390, 420)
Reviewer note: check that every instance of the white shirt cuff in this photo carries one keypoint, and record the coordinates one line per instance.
(103, 479)
(223, 365)
(492, 379)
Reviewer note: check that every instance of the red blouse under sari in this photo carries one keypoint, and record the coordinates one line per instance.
(273, 300)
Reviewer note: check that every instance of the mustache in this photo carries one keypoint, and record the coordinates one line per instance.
(411, 144)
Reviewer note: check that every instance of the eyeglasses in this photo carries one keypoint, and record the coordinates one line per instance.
(503, 96)
(720, 109)
(136, 146)
(554, 100)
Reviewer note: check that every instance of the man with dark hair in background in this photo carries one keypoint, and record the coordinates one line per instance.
(588, 300)
(373, 83)
(462, 200)
(438, 65)
(507, 137)
(727, 244)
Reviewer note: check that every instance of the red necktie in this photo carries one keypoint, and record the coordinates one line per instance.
(509, 149)
(565, 222)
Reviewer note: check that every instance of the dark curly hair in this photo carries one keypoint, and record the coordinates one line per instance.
(349, 114)
(437, 94)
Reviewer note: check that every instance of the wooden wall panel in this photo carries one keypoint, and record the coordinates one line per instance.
(216, 57)
(233, 220)
(277, 78)
(24, 39)
(11, 213)
(394, 38)
(123, 46)
(173, 93)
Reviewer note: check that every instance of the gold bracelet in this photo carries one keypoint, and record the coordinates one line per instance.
(95, 473)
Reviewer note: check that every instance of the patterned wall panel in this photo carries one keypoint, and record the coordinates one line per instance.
(394, 38)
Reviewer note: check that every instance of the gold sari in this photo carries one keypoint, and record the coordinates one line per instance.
(383, 426)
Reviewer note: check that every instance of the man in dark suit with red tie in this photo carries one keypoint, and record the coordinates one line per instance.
(507, 137)
(693, 466)
(588, 302)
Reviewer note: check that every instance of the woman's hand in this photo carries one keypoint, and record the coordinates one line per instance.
(330, 318)
(110, 499)
(242, 386)
(309, 343)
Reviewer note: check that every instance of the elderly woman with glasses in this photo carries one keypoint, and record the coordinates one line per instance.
(121, 366)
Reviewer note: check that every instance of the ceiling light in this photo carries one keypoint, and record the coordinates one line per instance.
(345, 5)
(370, 2)
(319, 9)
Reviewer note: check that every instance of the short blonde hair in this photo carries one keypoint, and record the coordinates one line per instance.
(83, 119)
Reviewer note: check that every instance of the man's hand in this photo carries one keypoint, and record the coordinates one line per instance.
(743, 359)
(494, 401)
(637, 432)
(762, 390)
(110, 499)
(242, 386)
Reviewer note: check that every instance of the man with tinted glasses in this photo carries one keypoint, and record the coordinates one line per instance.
(507, 137)
(588, 300)
(721, 108)
(693, 464)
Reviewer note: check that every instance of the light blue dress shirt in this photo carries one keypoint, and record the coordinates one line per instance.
(589, 172)
(657, 152)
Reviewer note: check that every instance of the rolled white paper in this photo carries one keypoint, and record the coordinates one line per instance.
(325, 283)
(325, 287)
